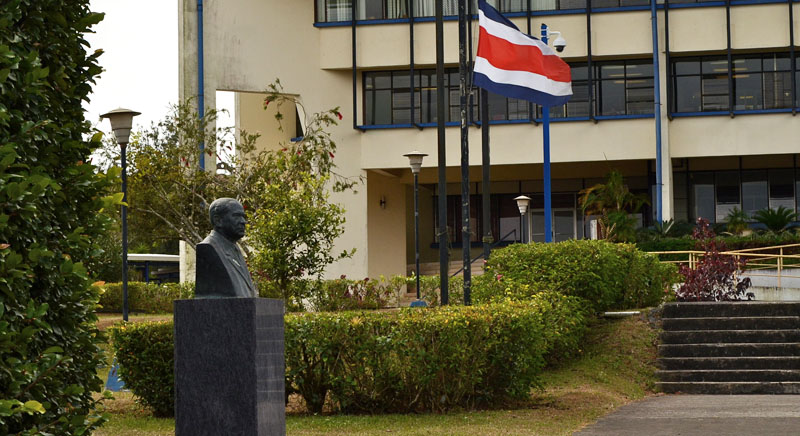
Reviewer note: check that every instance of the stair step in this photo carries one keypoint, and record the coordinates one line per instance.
(688, 363)
(727, 388)
(729, 336)
(729, 350)
(732, 323)
(730, 375)
(731, 309)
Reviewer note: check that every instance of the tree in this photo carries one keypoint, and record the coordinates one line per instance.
(294, 227)
(612, 201)
(285, 191)
(50, 204)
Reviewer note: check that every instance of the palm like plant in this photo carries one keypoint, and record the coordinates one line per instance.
(737, 221)
(776, 220)
(612, 201)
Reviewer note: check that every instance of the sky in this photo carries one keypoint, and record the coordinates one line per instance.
(140, 60)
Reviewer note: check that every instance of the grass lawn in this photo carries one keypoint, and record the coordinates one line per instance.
(615, 368)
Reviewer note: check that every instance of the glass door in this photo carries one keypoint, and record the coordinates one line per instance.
(564, 224)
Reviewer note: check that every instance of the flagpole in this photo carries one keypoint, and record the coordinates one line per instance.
(466, 235)
(444, 265)
(548, 212)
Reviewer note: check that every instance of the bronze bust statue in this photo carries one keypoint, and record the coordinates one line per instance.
(221, 269)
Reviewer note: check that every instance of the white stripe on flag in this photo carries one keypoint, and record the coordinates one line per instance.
(511, 35)
(522, 78)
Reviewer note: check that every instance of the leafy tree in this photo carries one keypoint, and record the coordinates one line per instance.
(50, 203)
(612, 202)
(715, 278)
(776, 220)
(293, 229)
(285, 192)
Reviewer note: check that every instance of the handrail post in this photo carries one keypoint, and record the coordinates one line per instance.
(780, 267)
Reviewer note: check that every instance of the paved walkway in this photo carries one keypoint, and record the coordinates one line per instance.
(706, 415)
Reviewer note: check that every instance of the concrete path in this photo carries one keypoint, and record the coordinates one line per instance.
(706, 415)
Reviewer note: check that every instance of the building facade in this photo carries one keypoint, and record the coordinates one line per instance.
(728, 75)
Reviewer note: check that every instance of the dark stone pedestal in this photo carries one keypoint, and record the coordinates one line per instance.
(229, 367)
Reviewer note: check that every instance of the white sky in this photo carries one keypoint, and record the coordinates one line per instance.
(140, 60)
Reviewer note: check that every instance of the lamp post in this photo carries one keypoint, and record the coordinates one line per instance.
(415, 161)
(121, 123)
(523, 202)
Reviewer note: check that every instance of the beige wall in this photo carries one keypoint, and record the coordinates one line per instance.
(743, 135)
(386, 225)
(252, 118)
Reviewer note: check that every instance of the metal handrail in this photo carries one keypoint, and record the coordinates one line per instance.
(495, 244)
(754, 260)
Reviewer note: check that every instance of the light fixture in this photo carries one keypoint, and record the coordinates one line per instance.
(522, 203)
(415, 160)
(121, 123)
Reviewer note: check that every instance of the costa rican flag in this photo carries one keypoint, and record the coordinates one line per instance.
(516, 65)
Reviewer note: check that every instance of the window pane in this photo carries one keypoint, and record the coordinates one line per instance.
(747, 87)
(754, 191)
(612, 71)
(777, 90)
(703, 195)
(688, 66)
(781, 189)
(715, 93)
(727, 190)
(687, 94)
(611, 97)
(640, 96)
(715, 65)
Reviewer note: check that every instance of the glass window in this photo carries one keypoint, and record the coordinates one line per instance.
(754, 191)
(700, 84)
(727, 193)
(781, 189)
(624, 87)
(703, 195)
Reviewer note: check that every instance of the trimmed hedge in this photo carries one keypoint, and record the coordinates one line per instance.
(605, 274)
(145, 353)
(398, 361)
(144, 297)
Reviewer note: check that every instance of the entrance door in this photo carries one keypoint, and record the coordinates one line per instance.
(564, 224)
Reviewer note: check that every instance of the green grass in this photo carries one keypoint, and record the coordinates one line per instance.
(615, 368)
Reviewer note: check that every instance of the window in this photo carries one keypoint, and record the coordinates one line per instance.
(781, 189)
(387, 99)
(754, 191)
(623, 87)
(703, 195)
(700, 84)
(760, 81)
(341, 10)
(578, 105)
(727, 193)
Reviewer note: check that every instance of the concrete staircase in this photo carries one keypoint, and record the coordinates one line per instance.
(730, 348)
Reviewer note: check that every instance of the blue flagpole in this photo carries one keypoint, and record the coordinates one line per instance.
(548, 212)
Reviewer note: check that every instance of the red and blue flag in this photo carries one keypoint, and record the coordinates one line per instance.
(515, 65)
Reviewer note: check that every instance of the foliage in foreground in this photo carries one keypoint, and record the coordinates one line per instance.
(715, 278)
(399, 361)
(604, 274)
(50, 202)
(612, 202)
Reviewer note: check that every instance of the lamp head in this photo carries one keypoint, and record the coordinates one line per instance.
(415, 160)
(522, 203)
(121, 123)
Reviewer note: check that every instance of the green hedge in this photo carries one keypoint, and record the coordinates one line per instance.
(605, 274)
(390, 361)
(145, 353)
(144, 297)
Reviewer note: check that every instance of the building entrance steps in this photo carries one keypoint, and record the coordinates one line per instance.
(730, 348)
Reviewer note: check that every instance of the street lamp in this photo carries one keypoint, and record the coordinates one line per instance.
(522, 204)
(415, 160)
(121, 123)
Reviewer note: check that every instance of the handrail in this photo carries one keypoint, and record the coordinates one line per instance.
(754, 256)
(495, 244)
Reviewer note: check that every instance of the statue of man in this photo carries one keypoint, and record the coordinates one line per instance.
(221, 269)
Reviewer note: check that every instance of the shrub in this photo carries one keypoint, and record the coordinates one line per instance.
(145, 353)
(715, 276)
(50, 203)
(427, 360)
(398, 361)
(346, 294)
(144, 297)
(776, 220)
(605, 274)
(430, 292)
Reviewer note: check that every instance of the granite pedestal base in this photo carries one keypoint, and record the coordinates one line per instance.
(229, 367)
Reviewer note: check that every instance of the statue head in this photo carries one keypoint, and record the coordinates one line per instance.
(227, 218)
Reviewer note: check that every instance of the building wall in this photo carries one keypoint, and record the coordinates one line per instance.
(251, 42)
